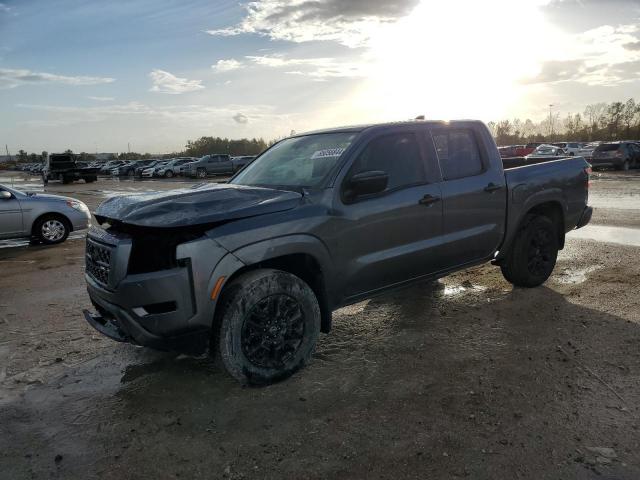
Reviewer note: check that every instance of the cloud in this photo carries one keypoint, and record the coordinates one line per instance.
(101, 99)
(4, 8)
(165, 82)
(318, 68)
(350, 23)
(582, 15)
(184, 115)
(240, 118)
(632, 45)
(11, 78)
(227, 65)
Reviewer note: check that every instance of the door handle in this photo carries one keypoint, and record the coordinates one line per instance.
(492, 187)
(428, 200)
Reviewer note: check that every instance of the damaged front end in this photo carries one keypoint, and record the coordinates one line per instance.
(142, 283)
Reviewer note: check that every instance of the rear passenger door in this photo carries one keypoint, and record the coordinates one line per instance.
(473, 195)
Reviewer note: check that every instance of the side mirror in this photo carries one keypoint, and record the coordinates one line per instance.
(367, 183)
(4, 195)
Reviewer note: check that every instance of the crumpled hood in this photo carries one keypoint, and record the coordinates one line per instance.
(197, 205)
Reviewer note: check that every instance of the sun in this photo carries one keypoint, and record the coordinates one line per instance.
(453, 60)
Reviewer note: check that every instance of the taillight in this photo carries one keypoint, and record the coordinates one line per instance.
(588, 171)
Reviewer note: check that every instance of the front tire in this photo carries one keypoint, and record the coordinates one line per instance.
(269, 323)
(168, 174)
(201, 173)
(533, 254)
(51, 229)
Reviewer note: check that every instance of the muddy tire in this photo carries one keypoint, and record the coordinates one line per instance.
(268, 325)
(533, 254)
(51, 229)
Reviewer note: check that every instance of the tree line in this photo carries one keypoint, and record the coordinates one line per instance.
(194, 148)
(599, 121)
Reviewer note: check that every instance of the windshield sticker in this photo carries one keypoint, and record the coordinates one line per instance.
(327, 152)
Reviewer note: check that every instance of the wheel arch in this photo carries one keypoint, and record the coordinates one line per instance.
(300, 255)
(550, 208)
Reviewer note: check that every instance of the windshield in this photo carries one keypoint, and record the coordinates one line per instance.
(302, 162)
(544, 149)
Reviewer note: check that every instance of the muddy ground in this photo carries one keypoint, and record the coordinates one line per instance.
(465, 377)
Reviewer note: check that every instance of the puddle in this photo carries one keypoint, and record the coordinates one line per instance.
(573, 276)
(600, 233)
(630, 201)
(453, 290)
(25, 242)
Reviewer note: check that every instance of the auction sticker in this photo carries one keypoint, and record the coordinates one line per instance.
(327, 152)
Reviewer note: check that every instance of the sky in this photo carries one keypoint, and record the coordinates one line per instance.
(151, 74)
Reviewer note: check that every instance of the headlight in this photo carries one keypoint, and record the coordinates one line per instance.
(76, 205)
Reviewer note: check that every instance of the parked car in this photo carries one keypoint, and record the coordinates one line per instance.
(507, 152)
(170, 169)
(151, 170)
(546, 151)
(620, 155)
(586, 150)
(570, 148)
(48, 218)
(110, 165)
(124, 170)
(217, 164)
(316, 222)
(527, 149)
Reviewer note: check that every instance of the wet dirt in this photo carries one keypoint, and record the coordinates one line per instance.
(466, 377)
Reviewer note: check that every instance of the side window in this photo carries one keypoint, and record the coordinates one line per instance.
(396, 154)
(458, 153)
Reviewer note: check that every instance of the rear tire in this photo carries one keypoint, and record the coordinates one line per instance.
(533, 254)
(168, 174)
(201, 173)
(268, 325)
(51, 229)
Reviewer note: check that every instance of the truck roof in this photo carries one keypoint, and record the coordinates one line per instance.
(362, 127)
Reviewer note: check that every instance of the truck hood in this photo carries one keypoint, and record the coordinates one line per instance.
(197, 205)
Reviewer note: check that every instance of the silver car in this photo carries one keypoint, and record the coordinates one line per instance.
(49, 218)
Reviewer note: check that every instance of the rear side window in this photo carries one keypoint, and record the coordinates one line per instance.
(398, 155)
(458, 153)
(607, 147)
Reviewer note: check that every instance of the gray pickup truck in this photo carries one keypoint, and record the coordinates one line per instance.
(252, 269)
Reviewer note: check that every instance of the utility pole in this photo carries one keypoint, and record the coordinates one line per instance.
(6, 147)
(550, 123)
(128, 150)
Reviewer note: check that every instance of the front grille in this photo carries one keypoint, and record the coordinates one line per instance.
(98, 262)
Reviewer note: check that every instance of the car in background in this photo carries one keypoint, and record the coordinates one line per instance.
(144, 165)
(48, 218)
(619, 155)
(509, 151)
(110, 165)
(527, 149)
(182, 169)
(124, 170)
(544, 150)
(129, 168)
(570, 148)
(151, 170)
(586, 150)
(218, 164)
(171, 169)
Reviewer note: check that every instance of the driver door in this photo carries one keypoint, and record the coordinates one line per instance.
(394, 236)
(10, 217)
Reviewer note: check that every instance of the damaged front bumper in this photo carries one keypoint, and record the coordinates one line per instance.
(166, 309)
